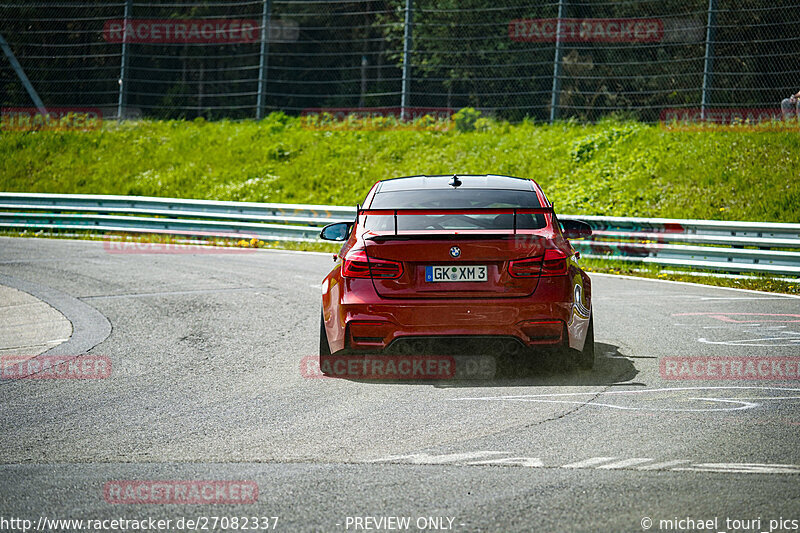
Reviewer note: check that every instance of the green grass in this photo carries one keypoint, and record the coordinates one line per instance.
(609, 168)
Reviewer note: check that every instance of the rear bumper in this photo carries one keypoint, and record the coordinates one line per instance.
(366, 321)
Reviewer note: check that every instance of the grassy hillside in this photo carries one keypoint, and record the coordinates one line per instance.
(611, 168)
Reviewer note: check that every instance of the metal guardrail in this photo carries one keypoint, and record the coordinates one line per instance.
(174, 216)
(754, 247)
(707, 244)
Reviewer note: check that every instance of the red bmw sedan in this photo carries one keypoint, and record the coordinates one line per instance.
(471, 263)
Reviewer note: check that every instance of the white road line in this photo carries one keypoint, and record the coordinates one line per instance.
(742, 468)
(723, 404)
(428, 459)
(625, 463)
(778, 398)
(531, 462)
(765, 341)
(739, 405)
(490, 458)
(706, 298)
(663, 465)
(637, 391)
(594, 461)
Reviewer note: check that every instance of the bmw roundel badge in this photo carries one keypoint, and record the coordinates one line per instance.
(455, 251)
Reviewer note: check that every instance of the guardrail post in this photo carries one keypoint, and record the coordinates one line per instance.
(22, 77)
(266, 15)
(364, 64)
(562, 11)
(708, 64)
(123, 64)
(406, 59)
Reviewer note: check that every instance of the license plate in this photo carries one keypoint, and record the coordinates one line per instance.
(436, 273)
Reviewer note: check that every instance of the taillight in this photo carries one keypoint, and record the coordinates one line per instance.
(525, 268)
(554, 263)
(356, 265)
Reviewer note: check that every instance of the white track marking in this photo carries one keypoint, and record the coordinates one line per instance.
(777, 398)
(665, 465)
(763, 341)
(742, 468)
(625, 463)
(732, 404)
(741, 405)
(530, 462)
(638, 391)
(588, 463)
(428, 459)
(709, 298)
(594, 463)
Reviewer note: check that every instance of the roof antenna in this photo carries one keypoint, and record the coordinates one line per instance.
(455, 182)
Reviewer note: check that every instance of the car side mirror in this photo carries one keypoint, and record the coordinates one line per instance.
(575, 229)
(336, 232)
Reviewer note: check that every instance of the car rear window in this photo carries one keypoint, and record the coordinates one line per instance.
(455, 199)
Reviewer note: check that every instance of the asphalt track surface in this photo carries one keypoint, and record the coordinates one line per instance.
(208, 384)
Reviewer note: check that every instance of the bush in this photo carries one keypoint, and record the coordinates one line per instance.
(466, 118)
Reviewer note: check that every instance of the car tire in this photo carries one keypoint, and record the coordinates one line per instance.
(585, 358)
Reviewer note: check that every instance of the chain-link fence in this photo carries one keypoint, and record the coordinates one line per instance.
(545, 60)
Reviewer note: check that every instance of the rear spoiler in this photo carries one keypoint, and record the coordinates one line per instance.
(550, 210)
